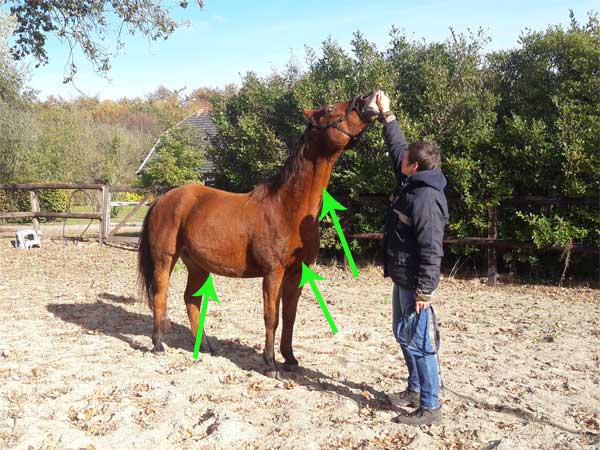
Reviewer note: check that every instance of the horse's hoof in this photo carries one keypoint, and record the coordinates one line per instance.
(206, 347)
(207, 351)
(272, 373)
(158, 348)
(292, 367)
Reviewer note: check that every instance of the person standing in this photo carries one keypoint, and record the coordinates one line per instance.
(413, 236)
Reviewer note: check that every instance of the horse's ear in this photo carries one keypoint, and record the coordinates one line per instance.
(309, 113)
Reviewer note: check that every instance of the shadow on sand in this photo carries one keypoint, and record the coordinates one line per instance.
(115, 321)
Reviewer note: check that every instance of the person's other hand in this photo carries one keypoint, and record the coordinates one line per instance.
(383, 102)
(422, 301)
(421, 306)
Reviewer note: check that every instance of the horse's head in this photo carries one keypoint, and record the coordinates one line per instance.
(337, 127)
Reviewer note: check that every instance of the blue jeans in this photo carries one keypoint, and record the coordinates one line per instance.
(411, 330)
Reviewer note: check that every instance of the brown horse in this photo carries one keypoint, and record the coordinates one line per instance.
(266, 233)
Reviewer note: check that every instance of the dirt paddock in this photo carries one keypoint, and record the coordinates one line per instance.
(521, 363)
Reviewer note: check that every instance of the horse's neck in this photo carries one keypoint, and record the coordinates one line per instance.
(301, 195)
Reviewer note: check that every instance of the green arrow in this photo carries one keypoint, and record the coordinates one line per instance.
(308, 276)
(330, 204)
(207, 292)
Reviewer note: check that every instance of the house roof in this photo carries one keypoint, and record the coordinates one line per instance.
(201, 120)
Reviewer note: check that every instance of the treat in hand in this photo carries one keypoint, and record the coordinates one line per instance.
(383, 102)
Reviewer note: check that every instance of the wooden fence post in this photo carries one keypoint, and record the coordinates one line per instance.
(492, 272)
(345, 224)
(35, 207)
(105, 214)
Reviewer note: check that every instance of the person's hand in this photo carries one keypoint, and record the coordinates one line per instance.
(383, 102)
(422, 301)
(421, 306)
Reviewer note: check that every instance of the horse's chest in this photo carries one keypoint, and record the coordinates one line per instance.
(284, 247)
(287, 250)
(305, 247)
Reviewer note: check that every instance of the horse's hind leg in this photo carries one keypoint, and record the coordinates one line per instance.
(196, 278)
(160, 286)
(291, 294)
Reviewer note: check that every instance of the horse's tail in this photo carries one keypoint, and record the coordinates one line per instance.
(145, 261)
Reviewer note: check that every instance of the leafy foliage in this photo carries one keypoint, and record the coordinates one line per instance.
(551, 230)
(548, 125)
(509, 123)
(512, 123)
(15, 121)
(179, 159)
(54, 200)
(85, 140)
(257, 127)
(84, 25)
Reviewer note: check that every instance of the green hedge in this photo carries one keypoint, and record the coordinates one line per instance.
(53, 200)
(512, 123)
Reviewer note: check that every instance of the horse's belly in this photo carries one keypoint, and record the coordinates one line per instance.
(235, 240)
(221, 257)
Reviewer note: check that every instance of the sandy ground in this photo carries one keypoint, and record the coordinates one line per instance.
(521, 364)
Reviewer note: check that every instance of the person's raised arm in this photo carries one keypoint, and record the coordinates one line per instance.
(394, 137)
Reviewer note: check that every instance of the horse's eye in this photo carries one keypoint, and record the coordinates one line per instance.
(330, 109)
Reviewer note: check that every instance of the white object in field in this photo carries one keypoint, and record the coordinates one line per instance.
(27, 239)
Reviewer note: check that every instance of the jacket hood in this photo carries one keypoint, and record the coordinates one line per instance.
(432, 178)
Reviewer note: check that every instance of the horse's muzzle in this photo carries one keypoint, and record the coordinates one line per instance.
(367, 107)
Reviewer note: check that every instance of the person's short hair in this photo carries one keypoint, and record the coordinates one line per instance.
(426, 153)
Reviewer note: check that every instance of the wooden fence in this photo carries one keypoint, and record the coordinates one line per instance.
(103, 216)
(491, 242)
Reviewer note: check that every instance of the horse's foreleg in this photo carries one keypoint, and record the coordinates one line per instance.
(271, 298)
(196, 278)
(291, 294)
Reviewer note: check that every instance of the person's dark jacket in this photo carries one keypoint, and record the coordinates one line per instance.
(415, 221)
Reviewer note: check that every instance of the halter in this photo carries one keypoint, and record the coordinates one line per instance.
(336, 123)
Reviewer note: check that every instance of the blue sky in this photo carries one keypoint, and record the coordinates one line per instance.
(230, 37)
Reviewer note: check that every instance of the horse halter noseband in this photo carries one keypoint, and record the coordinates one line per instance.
(336, 123)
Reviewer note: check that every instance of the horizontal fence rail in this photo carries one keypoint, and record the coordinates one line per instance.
(50, 215)
(35, 186)
(94, 186)
(491, 242)
(527, 200)
(126, 204)
(500, 244)
(105, 192)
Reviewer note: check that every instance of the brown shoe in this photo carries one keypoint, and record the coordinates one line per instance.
(420, 416)
(408, 398)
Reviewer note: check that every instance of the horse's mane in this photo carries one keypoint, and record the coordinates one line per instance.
(290, 168)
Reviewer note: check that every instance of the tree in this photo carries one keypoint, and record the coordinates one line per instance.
(257, 127)
(519, 122)
(549, 128)
(441, 95)
(15, 122)
(85, 24)
(179, 159)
